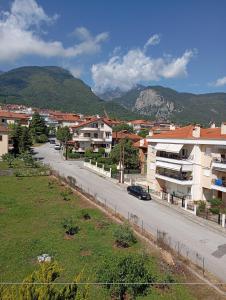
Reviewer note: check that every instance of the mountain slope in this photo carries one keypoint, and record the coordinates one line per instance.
(167, 104)
(55, 88)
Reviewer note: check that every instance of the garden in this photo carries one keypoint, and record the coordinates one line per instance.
(41, 216)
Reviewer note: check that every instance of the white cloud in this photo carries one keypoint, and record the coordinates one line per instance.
(135, 66)
(20, 34)
(153, 40)
(220, 82)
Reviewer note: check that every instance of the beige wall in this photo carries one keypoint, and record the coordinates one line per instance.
(4, 144)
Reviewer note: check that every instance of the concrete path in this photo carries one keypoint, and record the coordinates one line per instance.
(195, 240)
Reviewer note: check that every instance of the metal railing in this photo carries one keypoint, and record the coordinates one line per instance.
(181, 177)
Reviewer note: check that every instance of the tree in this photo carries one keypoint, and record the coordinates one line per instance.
(126, 270)
(47, 274)
(131, 159)
(63, 134)
(123, 126)
(143, 132)
(21, 139)
(37, 127)
(9, 158)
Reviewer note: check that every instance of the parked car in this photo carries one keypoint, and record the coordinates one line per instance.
(57, 147)
(52, 142)
(138, 192)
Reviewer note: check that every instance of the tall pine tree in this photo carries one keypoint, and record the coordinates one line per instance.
(37, 127)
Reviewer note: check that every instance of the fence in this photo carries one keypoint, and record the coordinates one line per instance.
(97, 169)
(153, 233)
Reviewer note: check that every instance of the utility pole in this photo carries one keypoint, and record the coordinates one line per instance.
(121, 163)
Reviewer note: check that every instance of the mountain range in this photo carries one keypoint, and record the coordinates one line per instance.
(158, 102)
(56, 88)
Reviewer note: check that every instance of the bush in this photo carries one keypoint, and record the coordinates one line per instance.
(9, 158)
(201, 206)
(71, 229)
(86, 159)
(73, 155)
(100, 165)
(127, 269)
(215, 210)
(124, 236)
(43, 138)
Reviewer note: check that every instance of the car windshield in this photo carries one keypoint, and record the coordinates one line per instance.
(139, 188)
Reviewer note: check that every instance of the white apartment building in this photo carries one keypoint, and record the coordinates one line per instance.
(95, 134)
(188, 162)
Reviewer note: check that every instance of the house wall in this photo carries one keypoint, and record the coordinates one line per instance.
(4, 144)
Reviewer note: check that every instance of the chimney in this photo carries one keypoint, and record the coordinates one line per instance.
(212, 125)
(196, 131)
(150, 133)
(223, 128)
(172, 127)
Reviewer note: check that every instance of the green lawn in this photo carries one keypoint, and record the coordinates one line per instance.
(31, 213)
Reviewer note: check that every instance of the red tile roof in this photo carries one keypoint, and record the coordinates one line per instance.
(186, 133)
(125, 135)
(141, 144)
(64, 117)
(91, 121)
(12, 115)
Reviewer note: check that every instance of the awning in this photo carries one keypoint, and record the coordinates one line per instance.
(170, 166)
(173, 148)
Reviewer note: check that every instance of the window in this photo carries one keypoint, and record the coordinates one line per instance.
(3, 120)
(95, 135)
(101, 125)
(86, 134)
(108, 134)
(94, 125)
(184, 152)
(0, 138)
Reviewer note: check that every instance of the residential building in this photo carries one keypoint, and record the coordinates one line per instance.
(7, 118)
(64, 119)
(189, 162)
(4, 140)
(122, 135)
(95, 134)
(142, 145)
(140, 124)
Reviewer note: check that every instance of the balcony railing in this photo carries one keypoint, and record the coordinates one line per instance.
(182, 177)
(174, 156)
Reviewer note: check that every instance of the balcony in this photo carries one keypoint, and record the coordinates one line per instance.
(175, 177)
(219, 185)
(82, 139)
(219, 163)
(89, 129)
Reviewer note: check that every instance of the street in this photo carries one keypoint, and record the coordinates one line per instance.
(208, 243)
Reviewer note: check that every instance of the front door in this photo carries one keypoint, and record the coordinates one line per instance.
(219, 194)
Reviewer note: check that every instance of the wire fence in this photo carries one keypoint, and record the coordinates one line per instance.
(161, 238)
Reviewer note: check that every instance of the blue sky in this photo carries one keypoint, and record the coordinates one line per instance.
(117, 44)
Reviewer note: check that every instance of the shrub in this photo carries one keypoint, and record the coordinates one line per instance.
(9, 158)
(99, 165)
(73, 155)
(43, 138)
(71, 229)
(215, 210)
(201, 206)
(127, 269)
(124, 236)
(86, 159)
(66, 194)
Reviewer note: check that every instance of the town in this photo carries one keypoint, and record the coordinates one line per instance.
(112, 150)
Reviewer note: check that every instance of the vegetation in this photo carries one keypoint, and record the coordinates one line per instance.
(55, 88)
(121, 127)
(131, 160)
(126, 269)
(21, 138)
(143, 132)
(63, 134)
(38, 129)
(124, 236)
(32, 212)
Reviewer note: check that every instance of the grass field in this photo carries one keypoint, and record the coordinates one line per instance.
(31, 213)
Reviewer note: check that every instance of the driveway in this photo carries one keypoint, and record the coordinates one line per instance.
(193, 238)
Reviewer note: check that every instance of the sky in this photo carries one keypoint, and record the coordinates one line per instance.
(119, 44)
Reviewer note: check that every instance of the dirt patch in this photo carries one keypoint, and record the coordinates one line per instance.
(101, 224)
(2, 210)
(86, 253)
(68, 237)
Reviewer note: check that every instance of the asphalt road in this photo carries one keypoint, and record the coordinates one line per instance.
(192, 237)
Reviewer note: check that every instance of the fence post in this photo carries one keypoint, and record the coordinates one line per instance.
(96, 163)
(90, 161)
(168, 197)
(195, 209)
(223, 220)
(110, 172)
(185, 204)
